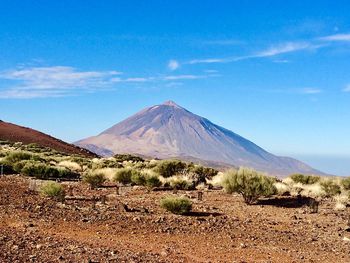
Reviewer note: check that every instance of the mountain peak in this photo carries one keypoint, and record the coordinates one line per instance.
(169, 131)
(170, 103)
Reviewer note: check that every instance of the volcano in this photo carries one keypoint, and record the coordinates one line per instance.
(170, 131)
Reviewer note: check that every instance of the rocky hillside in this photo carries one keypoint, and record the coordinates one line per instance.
(15, 133)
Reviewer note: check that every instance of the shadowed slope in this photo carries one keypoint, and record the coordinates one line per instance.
(14, 133)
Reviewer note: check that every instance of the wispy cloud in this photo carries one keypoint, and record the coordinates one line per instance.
(58, 81)
(183, 77)
(159, 78)
(272, 51)
(173, 64)
(336, 37)
(347, 88)
(310, 91)
(52, 81)
(281, 61)
(134, 79)
(302, 91)
(283, 48)
(207, 61)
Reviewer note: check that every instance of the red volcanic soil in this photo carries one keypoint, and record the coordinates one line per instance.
(14, 133)
(221, 228)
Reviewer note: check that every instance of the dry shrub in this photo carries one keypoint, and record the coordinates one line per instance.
(176, 205)
(330, 187)
(341, 201)
(168, 168)
(123, 175)
(153, 181)
(313, 190)
(249, 183)
(216, 180)
(70, 165)
(108, 173)
(282, 188)
(305, 179)
(53, 190)
(345, 182)
(95, 180)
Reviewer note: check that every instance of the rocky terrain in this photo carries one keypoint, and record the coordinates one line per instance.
(131, 227)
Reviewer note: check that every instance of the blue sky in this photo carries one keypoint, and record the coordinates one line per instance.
(275, 72)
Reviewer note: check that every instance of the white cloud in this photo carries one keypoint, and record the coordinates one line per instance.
(336, 37)
(208, 61)
(281, 61)
(133, 79)
(59, 81)
(347, 88)
(183, 77)
(303, 91)
(29, 94)
(310, 91)
(137, 79)
(283, 48)
(52, 81)
(173, 64)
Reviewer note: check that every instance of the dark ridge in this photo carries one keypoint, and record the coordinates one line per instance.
(15, 133)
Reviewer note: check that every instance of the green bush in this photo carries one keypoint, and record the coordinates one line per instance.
(138, 178)
(66, 173)
(124, 175)
(128, 157)
(330, 188)
(176, 205)
(82, 161)
(153, 181)
(52, 190)
(95, 180)
(15, 157)
(305, 179)
(204, 173)
(346, 183)
(106, 163)
(181, 184)
(18, 166)
(169, 168)
(43, 171)
(249, 183)
(35, 169)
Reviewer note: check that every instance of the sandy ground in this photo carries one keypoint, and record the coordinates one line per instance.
(221, 229)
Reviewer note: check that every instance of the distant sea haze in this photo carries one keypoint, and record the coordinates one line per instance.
(331, 164)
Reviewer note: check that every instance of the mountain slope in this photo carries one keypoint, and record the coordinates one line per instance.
(14, 133)
(168, 130)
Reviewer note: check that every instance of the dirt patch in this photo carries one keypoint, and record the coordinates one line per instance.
(221, 228)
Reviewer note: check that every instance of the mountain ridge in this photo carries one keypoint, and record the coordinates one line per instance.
(16, 133)
(168, 130)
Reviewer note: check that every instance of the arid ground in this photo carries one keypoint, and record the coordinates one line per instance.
(222, 228)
